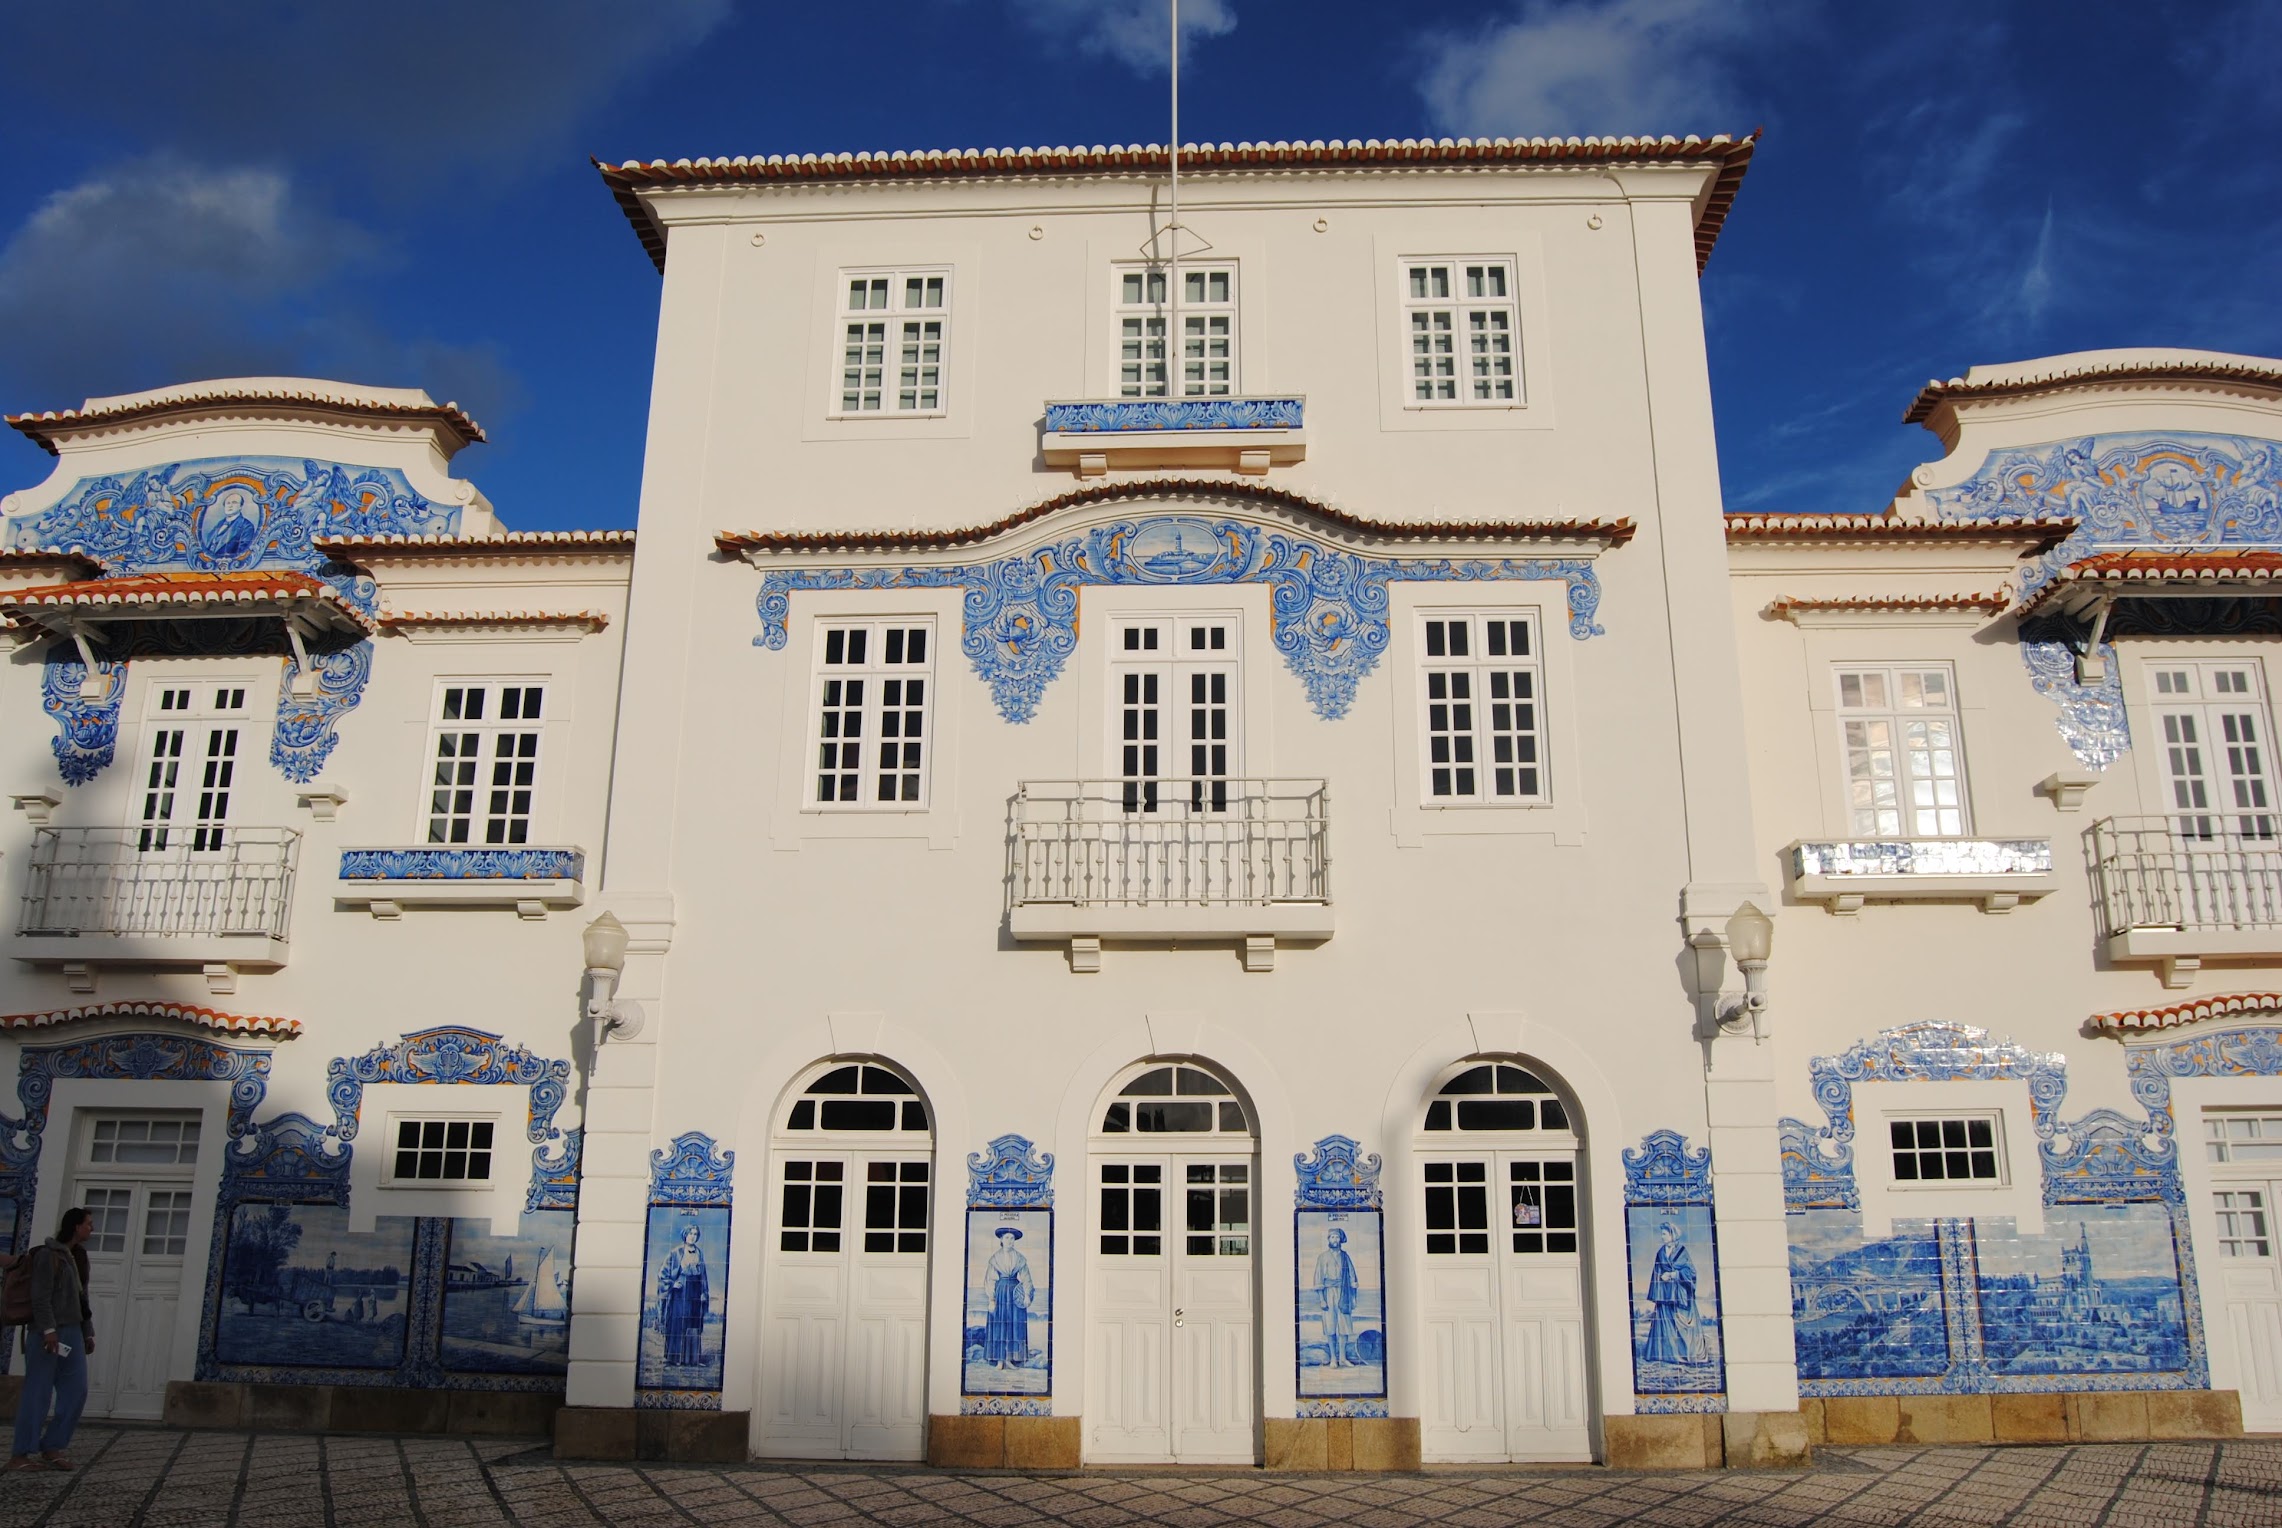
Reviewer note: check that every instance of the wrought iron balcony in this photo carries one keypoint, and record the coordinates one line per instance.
(161, 894)
(1171, 859)
(2189, 885)
(1998, 873)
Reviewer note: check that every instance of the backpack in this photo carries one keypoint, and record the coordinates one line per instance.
(16, 1291)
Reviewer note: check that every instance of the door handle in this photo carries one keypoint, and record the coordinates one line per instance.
(1177, 1313)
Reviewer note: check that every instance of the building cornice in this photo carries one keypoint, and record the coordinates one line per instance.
(1889, 529)
(2225, 1006)
(1730, 156)
(48, 426)
(183, 1013)
(2265, 376)
(599, 544)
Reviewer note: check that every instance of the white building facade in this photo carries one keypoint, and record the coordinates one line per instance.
(1188, 820)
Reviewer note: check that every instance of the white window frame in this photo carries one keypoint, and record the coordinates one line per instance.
(2229, 765)
(2019, 1188)
(1467, 311)
(1482, 735)
(1993, 1118)
(1891, 675)
(502, 1146)
(1200, 310)
(490, 729)
(875, 673)
(197, 708)
(1182, 662)
(897, 318)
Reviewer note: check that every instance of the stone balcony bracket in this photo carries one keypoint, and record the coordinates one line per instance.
(1242, 435)
(1846, 874)
(2067, 788)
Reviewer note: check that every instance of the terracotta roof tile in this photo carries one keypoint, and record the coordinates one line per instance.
(203, 1018)
(2182, 369)
(1987, 604)
(1732, 155)
(2040, 534)
(1240, 491)
(155, 592)
(2119, 571)
(43, 427)
(400, 620)
(507, 543)
(2193, 1011)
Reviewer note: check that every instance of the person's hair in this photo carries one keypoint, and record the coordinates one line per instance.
(71, 1219)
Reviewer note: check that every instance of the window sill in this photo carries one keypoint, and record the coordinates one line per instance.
(1999, 874)
(1517, 406)
(529, 879)
(887, 416)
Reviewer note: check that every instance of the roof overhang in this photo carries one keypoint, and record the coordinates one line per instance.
(2031, 536)
(308, 607)
(2095, 583)
(2140, 1021)
(1728, 156)
(182, 1013)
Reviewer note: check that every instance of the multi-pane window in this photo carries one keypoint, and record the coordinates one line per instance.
(1541, 1200)
(1218, 1205)
(1954, 1149)
(2214, 723)
(1482, 686)
(144, 1142)
(813, 1194)
(1461, 326)
(1496, 1098)
(190, 767)
(166, 1223)
(486, 757)
(1457, 1207)
(872, 700)
(894, 329)
(2242, 1138)
(895, 1206)
(442, 1151)
(1174, 681)
(2245, 1222)
(1167, 1100)
(1208, 332)
(1132, 1209)
(111, 1210)
(1905, 770)
(861, 1098)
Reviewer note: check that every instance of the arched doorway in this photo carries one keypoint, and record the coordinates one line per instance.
(1502, 1287)
(1171, 1324)
(843, 1371)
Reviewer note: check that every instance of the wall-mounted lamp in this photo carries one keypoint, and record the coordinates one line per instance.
(1750, 939)
(604, 943)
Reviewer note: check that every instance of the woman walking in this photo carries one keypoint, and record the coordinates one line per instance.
(56, 1345)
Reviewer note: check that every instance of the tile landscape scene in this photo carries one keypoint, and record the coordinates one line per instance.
(145, 1478)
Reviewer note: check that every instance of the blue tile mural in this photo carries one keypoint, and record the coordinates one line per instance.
(2103, 1299)
(507, 1298)
(1330, 604)
(1672, 1245)
(1340, 1282)
(299, 1288)
(685, 1277)
(1006, 1344)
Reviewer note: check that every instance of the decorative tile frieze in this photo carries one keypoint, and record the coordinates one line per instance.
(445, 863)
(1131, 415)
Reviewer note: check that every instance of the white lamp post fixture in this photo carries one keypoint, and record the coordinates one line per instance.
(604, 943)
(1750, 939)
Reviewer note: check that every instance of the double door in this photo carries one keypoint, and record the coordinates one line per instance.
(2244, 1149)
(844, 1334)
(1503, 1307)
(133, 1177)
(1171, 1373)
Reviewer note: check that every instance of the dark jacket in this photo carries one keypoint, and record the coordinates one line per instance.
(59, 1290)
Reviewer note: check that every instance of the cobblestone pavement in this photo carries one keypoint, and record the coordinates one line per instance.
(133, 1477)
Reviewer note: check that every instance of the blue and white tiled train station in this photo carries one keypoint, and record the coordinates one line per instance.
(1222, 859)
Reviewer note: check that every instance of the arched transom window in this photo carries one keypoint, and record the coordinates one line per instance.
(1497, 1097)
(865, 1098)
(1175, 1100)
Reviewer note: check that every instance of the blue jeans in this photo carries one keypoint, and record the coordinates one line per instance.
(48, 1376)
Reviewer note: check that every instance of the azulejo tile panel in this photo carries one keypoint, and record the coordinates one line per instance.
(685, 1277)
(1329, 605)
(1132, 415)
(1672, 1249)
(1339, 1302)
(229, 514)
(87, 726)
(2188, 490)
(2103, 1299)
(1006, 1344)
(429, 863)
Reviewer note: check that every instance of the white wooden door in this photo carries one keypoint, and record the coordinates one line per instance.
(2244, 1149)
(133, 1178)
(844, 1339)
(1171, 1375)
(1503, 1308)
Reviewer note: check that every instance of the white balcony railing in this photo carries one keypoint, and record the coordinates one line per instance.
(1176, 858)
(2207, 882)
(171, 884)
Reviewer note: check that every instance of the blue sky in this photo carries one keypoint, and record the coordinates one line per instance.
(399, 193)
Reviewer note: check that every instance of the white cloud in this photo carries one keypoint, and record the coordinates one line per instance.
(160, 270)
(1136, 33)
(1596, 66)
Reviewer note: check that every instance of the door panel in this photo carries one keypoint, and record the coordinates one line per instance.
(2250, 1274)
